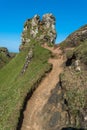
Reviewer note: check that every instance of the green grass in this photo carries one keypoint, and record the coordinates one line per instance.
(3, 59)
(63, 45)
(5, 56)
(80, 52)
(14, 87)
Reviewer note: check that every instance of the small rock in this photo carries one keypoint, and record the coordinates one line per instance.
(78, 68)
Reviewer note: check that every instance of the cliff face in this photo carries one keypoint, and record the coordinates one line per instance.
(41, 31)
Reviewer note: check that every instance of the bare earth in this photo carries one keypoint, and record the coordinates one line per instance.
(32, 119)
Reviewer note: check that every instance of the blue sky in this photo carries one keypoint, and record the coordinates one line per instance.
(70, 15)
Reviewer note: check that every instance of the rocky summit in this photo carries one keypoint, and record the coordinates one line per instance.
(36, 30)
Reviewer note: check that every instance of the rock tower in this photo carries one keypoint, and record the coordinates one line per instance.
(41, 31)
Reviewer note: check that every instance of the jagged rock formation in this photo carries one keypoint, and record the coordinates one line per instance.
(37, 31)
(41, 31)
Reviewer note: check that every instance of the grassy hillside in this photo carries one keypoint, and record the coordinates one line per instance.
(74, 83)
(80, 52)
(5, 56)
(14, 86)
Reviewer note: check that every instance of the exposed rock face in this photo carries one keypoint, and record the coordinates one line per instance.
(77, 37)
(36, 30)
(28, 60)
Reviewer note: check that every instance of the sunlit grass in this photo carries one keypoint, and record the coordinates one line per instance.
(14, 86)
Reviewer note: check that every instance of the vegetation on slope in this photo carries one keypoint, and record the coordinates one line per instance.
(80, 52)
(74, 83)
(75, 38)
(14, 86)
(5, 56)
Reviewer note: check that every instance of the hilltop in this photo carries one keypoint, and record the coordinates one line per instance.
(75, 38)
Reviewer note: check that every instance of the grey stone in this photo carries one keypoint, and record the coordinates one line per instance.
(28, 60)
(43, 31)
(54, 119)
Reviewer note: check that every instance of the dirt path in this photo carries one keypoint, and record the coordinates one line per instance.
(32, 119)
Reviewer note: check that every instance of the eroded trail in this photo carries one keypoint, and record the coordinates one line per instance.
(32, 115)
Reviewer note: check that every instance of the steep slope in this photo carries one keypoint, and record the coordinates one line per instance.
(75, 38)
(14, 85)
(33, 117)
(20, 77)
(74, 78)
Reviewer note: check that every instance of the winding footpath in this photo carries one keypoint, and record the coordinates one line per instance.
(32, 115)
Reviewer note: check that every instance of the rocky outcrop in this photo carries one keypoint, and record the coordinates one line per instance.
(28, 60)
(76, 37)
(41, 31)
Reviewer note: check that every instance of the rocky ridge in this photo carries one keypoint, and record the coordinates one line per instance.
(39, 31)
(75, 38)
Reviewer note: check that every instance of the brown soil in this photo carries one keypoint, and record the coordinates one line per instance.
(32, 119)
